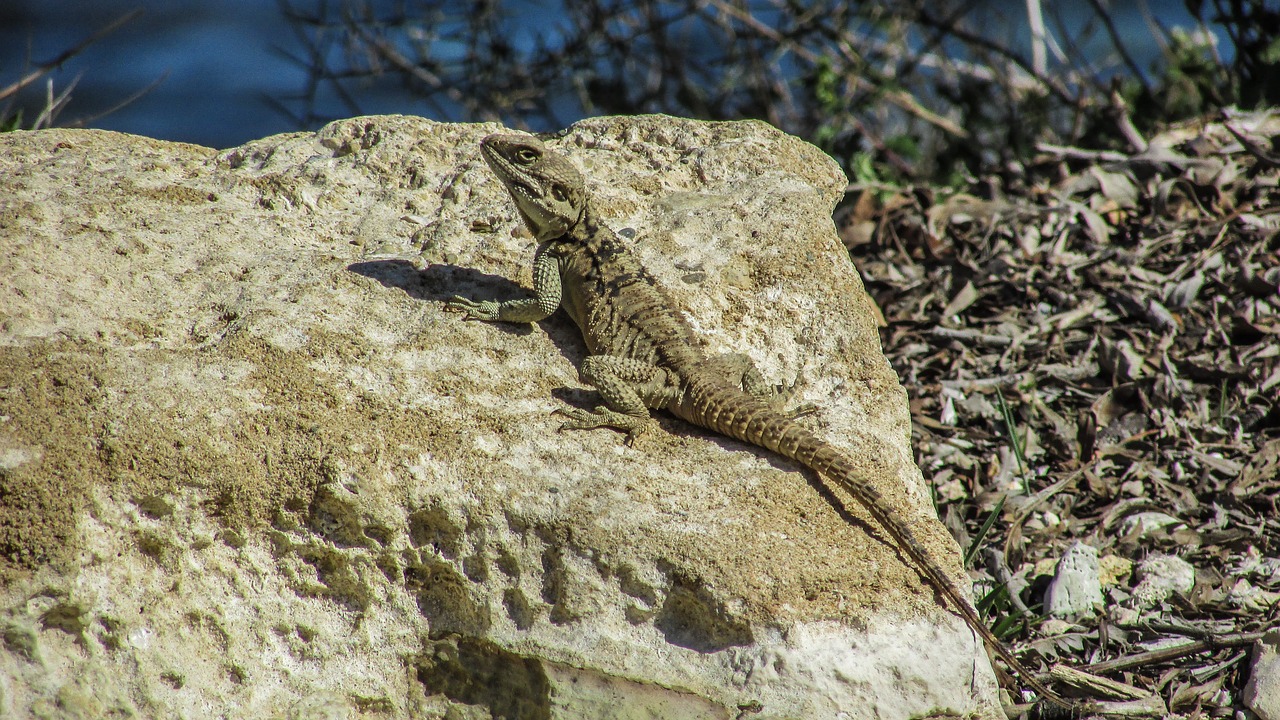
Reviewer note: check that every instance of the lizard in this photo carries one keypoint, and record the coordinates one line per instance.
(643, 355)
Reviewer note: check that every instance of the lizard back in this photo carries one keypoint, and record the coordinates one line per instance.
(620, 308)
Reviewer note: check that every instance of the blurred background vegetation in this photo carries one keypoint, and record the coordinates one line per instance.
(943, 91)
(899, 90)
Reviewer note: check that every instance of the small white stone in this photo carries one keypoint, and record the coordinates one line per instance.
(141, 638)
(1159, 577)
(1076, 587)
(1146, 522)
(1262, 691)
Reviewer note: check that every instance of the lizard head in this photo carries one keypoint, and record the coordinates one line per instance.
(547, 188)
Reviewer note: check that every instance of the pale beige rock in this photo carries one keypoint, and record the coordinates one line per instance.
(1262, 691)
(252, 469)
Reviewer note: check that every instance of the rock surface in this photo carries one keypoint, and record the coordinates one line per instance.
(250, 467)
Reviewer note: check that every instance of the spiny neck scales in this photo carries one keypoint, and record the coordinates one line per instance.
(621, 310)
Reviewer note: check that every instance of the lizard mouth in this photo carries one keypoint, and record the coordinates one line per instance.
(504, 167)
(506, 170)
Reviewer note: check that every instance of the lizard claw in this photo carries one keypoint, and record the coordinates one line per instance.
(578, 419)
(783, 393)
(804, 410)
(638, 431)
(634, 426)
(483, 310)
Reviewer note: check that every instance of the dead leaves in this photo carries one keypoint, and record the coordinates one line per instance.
(1128, 308)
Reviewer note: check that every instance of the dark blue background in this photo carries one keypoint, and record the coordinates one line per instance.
(220, 62)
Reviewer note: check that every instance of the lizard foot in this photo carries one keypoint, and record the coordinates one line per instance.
(634, 426)
(482, 310)
(782, 394)
(804, 410)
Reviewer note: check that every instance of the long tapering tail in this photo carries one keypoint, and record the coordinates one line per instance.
(735, 413)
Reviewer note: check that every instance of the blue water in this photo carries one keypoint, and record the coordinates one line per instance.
(220, 58)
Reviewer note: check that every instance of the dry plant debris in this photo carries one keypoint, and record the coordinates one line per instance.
(1096, 358)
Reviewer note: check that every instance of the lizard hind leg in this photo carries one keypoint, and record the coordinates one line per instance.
(629, 388)
(741, 370)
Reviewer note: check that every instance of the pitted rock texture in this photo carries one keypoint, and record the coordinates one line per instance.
(249, 467)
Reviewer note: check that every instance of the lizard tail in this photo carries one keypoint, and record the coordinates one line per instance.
(737, 414)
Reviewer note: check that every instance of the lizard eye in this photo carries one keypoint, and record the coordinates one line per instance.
(526, 156)
(558, 192)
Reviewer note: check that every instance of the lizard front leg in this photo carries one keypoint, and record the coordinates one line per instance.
(629, 388)
(547, 293)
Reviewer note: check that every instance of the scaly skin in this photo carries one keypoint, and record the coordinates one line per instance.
(644, 355)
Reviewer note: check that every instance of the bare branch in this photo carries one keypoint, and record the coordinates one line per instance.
(44, 68)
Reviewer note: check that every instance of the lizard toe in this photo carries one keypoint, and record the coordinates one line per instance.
(634, 426)
(583, 419)
(638, 431)
(472, 310)
(804, 410)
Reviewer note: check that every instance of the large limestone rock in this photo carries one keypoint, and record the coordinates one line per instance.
(250, 468)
